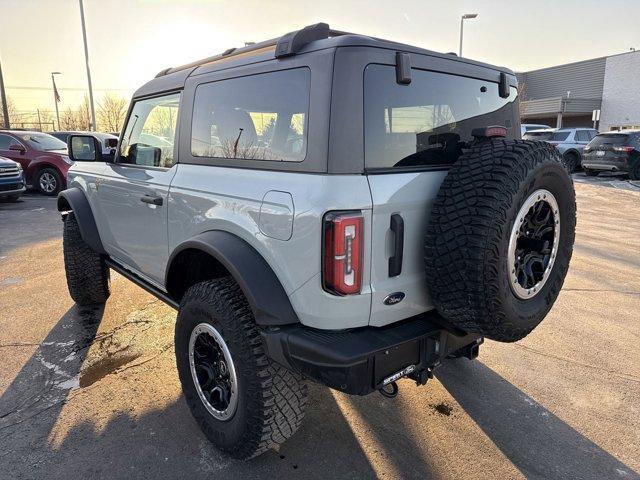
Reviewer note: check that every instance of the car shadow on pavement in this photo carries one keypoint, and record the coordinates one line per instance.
(167, 443)
(43, 383)
(537, 442)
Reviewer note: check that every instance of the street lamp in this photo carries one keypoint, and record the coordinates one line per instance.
(56, 96)
(464, 17)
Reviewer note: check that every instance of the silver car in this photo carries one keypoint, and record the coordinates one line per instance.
(569, 142)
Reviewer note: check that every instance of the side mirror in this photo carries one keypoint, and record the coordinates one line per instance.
(16, 147)
(84, 148)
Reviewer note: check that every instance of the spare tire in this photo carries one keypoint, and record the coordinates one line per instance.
(500, 238)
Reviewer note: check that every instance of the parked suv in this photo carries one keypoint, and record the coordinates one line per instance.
(331, 207)
(12, 182)
(43, 158)
(569, 142)
(613, 152)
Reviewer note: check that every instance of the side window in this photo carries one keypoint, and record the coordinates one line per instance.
(427, 122)
(258, 117)
(582, 136)
(5, 141)
(150, 134)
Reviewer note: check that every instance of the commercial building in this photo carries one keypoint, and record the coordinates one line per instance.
(566, 95)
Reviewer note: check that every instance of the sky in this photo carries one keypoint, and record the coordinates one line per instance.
(131, 40)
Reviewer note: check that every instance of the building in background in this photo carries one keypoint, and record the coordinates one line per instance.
(566, 95)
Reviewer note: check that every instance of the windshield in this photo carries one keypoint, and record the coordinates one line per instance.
(609, 139)
(43, 141)
(537, 136)
(559, 136)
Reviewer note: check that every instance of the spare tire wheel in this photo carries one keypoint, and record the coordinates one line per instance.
(500, 238)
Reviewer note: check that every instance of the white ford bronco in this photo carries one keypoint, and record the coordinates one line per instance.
(324, 206)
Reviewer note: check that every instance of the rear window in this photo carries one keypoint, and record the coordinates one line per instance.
(427, 122)
(559, 136)
(259, 117)
(537, 136)
(609, 139)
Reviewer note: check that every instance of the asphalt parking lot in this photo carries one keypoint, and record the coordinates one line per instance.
(94, 393)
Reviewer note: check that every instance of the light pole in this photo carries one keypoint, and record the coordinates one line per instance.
(86, 59)
(56, 96)
(464, 17)
(3, 99)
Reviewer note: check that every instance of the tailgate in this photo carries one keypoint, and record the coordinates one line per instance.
(407, 199)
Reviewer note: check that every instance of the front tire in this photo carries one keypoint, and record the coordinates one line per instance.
(86, 271)
(243, 402)
(48, 181)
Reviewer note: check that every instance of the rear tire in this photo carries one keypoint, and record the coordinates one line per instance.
(591, 173)
(87, 273)
(571, 161)
(475, 282)
(269, 402)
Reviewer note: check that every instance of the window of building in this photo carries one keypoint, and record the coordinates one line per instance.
(259, 117)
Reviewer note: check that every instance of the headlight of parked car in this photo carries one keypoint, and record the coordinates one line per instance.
(67, 160)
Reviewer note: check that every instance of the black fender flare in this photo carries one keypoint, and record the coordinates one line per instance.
(74, 199)
(260, 285)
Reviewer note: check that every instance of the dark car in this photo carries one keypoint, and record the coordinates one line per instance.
(43, 158)
(12, 182)
(613, 152)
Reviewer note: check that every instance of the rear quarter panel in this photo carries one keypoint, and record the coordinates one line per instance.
(204, 198)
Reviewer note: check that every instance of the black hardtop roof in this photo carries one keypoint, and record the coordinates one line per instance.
(311, 38)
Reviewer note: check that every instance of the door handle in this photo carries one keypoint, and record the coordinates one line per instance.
(151, 200)
(395, 261)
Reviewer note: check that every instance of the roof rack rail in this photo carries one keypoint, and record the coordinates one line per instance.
(287, 45)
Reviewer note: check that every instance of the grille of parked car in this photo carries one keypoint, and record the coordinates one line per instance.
(8, 171)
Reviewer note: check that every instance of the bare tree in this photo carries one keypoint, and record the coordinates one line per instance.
(11, 108)
(84, 114)
(111, 113)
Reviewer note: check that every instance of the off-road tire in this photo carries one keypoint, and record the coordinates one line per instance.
(591, 173)
(271, 399)
(87, 272)
(466, 245)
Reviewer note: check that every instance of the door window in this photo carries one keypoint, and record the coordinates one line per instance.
(150, 135)
(6, 141)
(259, 117)
(582, 136)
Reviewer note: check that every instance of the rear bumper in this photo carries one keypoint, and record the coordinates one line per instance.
(607, 165)
(359, 361)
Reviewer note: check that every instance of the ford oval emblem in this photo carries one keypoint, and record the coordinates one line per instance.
(393, 298)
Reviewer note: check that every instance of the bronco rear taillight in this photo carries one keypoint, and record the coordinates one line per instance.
(342, 256)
